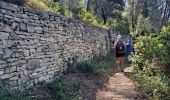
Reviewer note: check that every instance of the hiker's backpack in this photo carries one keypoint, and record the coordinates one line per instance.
(120, 47)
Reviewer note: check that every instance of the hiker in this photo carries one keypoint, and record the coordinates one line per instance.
(120, 52)
(129, 50)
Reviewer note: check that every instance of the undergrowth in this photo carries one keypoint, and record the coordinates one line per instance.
(6, 93)
(60, 90)
(96, 66)
(151, 63)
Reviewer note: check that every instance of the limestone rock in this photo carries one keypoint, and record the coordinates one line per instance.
(3, 64)
(32, 64)
(14, 25)
(1, 71)
(31, 28)
(8, 6)
(8, 52)
(23, 27)
(6, 28)
(1, 51)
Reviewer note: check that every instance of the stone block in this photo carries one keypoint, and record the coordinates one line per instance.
(12, 69)
(24, 16)
(38, 29)
(3, 64)
(13, 83)
(23, 27)
(21, 68)
(4, 35)
(1, 51)
(17, 19)
(33, 63)
(44, 15)
(6, 28)
(44, 78)
(30, 11)
(22, 80)
(7, 76)
(31, 28)
(8, 52)
(9, 17)
(14, 78)
(8, 6)
(14, 25)
(2, 71)
(26, 52)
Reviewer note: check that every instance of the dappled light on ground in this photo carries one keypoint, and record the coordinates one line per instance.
(118, 87)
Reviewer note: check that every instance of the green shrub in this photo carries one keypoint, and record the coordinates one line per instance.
(85, 67)
(60, 90)
(165, 40)
(155, 87)
(121, 27)
(53, 6)
(7, 94)
(151, 53)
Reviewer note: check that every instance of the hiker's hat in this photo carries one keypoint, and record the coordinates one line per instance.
(119, 37)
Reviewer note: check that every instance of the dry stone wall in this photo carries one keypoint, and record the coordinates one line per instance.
(35, 45)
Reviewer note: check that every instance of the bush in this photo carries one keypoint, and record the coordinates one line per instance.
(98, 64)
(7, 94)
(151, 53)
(85, 67)
(121, 25)
(37, 4)
(165, 40)
(155, 87)
(60, 90)
(52, 6)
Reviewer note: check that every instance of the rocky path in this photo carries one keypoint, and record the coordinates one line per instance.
(118, 87)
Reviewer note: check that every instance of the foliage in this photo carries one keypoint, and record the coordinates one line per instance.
(7, 94)
(96, 66)
(165, 39)
(143, 10)
(85, 67)
(53, 6)
(156, 87)
(144, 25)
(122, 27)
(59, 90)
(37, 4)
(78, 12)
(108, 8)
(151, 54)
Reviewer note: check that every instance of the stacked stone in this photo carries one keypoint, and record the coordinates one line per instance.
(35, 45)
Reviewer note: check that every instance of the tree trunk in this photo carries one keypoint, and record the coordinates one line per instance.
(133, 24)
(164, 14)
(105, 21)
(88, 5)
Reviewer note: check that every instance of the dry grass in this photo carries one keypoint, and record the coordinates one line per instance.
(37, 4)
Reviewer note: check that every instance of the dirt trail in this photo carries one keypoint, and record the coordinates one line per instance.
(118, 87)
